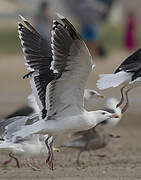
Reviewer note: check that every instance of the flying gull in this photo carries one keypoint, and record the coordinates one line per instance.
(58, 82)
(128, 74)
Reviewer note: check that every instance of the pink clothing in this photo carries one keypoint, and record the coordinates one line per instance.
(130, 36)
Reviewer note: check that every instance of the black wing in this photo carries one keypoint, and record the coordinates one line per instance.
(132, 63)
(38, 55)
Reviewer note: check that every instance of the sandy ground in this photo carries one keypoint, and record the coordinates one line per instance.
(123, 158)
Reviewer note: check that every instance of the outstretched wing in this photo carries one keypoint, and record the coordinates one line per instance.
(11, 125)
(38, 57)
(131, 63)
(72, 60)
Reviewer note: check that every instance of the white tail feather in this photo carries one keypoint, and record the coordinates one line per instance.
(113, 80)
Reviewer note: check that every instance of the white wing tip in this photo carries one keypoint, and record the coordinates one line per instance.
(60, 16)
(22, 17)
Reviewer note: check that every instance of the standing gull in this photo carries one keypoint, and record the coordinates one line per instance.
(89, 140)
(61, 100)
(128, 74)
(26, 148)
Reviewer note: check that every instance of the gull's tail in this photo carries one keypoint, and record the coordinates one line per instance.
(112, 80)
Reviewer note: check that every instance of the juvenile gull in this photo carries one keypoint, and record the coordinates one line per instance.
(62, 103)
(89, 140)
(128, 74)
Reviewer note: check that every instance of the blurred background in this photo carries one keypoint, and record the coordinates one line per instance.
(110, 28)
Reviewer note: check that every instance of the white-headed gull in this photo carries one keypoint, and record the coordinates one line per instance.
(93, 100)
(25, 148)
(59, 81)
(128, 74)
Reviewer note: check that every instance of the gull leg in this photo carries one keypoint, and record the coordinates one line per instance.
(5, 163)
(78, 157)
(34, 168)
(51, 164)
(36, 164)
(127, 100)
(16, 159)
(122, 97)
(49, 150)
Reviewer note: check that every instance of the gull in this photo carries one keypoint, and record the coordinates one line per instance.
(89, 96)
(26, 148)
(94, 100)
(58, 82)
(128, 74)
(110, 106)
(89, 140)
(27, 110)
(32, 107)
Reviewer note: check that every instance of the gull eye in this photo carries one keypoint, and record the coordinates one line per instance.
(103, 113)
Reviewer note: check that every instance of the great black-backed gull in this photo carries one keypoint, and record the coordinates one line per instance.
(61, 100)
(128, 74)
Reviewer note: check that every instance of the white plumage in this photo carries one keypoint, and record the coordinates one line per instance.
(62, 98)
(94, 100)
(25, 148)
(113, 80)
(128, 74)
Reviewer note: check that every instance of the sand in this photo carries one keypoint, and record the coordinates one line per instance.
(122, 160)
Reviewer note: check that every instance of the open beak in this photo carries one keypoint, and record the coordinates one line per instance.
(114, 116)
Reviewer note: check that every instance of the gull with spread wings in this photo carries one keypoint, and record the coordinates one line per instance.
(58, 80)
(127, 74)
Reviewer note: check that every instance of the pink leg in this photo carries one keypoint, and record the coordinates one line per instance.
(51, 164)
(5, 163)
(49, 151)
(50, 158)
(122, 97)
(126, 105)
(16, 159)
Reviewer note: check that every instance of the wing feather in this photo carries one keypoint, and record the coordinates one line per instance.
(38, 57)
(72, 60)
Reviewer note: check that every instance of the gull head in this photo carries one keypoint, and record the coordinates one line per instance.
(90, 94)
(104, 115)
